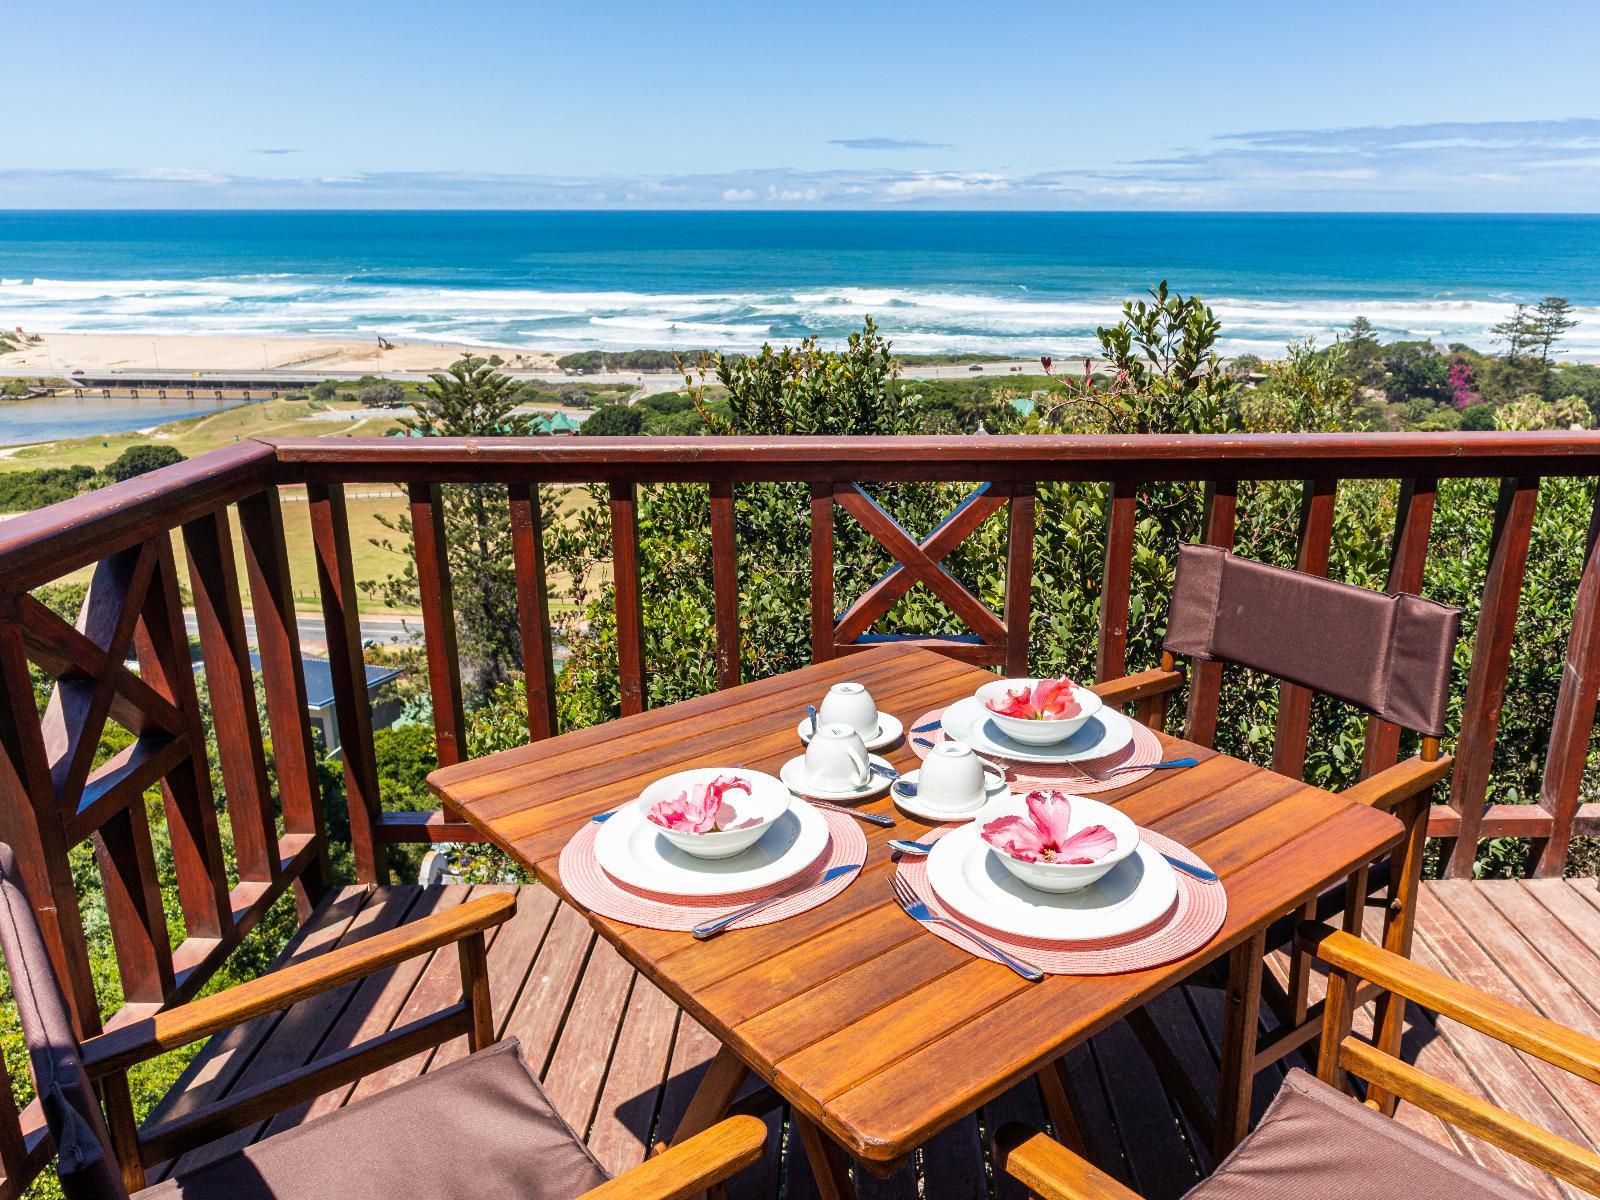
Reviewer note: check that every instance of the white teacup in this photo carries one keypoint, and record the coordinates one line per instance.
(850, 704)
(954, 779)
(836, 759)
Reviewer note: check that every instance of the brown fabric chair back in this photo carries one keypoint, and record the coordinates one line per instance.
(1388, 653)
(84, 1159)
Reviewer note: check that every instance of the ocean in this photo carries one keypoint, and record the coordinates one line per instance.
(1019, 284)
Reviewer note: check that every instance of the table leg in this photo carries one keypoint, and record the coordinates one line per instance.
(1242, 1017)
(712, 1099)
(829, 1164)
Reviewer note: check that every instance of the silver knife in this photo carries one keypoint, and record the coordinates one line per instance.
(711, 928)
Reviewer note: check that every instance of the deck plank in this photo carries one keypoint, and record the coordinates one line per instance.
(621, 1061)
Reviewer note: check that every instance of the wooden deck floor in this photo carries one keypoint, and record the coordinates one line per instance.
(620, 1061)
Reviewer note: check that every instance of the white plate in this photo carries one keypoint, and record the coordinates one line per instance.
(967, 875)
(889, 731)
(1102, 734)
(632, 850)
(793, 774)
(993, 791)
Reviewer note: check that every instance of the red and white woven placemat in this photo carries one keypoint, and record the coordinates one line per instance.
(589, 885)
(1074, 778)
(1193, 920)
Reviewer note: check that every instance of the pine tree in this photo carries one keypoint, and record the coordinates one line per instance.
(1516, 332)
(1552, 317)
(470, 400)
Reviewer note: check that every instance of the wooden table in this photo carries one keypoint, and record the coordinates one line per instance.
(874, 1030)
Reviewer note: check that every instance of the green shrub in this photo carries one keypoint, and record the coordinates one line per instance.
(137, 460)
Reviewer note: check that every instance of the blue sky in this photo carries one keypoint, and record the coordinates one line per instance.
(1221, 105)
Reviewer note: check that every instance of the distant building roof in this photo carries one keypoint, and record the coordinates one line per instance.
(319, 678)
(563, 423)
(1024, 405)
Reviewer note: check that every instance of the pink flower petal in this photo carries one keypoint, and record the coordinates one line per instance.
(1088, 845)
(1052, 816)
(1016, 837)
(1015, 703)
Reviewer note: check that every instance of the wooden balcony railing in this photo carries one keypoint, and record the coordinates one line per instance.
(225, 507)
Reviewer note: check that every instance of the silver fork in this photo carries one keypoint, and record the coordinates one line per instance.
(918, 911)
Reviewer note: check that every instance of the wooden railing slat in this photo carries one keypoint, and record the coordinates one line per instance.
(230, 683)
(1019, 577)
(1491, 658)
(162, 645)
(533, 609)
(133, 906)
(725, 583)
(1408, 557)
(1116, 581)
(629, 605)
(1573, 725)
(1205, 678)
(821, 572)
(330, 533)
(431, 549)
(284, 682)
(1294, 702)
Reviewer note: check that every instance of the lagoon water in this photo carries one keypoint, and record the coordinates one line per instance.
(24, 421)
(1008, 283)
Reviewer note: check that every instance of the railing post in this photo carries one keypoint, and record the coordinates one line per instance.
(629, 606)
(330, 531)
(1116, 581)
(821, 572)
(283, 677)
(1573, 724)
(1491, 658)
(31, 825)
(725, 582)
(1019, 577)
(1294, 701)
(533, 609)
(1205, 678)
(438, 622)
(1409, 555)
(214, 578)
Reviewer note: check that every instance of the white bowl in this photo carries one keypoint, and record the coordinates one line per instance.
(1066, 877)
(768, 800)
(1027, 730)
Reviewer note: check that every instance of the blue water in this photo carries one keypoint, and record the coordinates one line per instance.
(1012, 283)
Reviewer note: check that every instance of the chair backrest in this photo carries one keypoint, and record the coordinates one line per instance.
(1386, 652)
(84, 1160)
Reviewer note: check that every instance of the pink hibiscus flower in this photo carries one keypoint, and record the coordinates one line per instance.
(1042, 835)
(702, 808)
(1051, 699)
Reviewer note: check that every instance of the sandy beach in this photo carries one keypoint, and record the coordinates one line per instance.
(60, 353)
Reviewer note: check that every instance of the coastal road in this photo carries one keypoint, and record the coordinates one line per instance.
(403, 630)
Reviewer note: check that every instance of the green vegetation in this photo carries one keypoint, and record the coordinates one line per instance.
(587, 362)
(23, 491)
(137, 460)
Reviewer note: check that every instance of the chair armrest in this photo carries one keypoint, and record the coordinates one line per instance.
(1400, 782)
(1131, 688)
(133, 1043)
(1052, 1172)
(1509, 1023)
(693, 1166)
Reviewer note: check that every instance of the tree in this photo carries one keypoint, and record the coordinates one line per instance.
(1480, 417)
(470, 400)
(326, 390)
(1552, 318)
(1516, 331)
(1362, 360)
(382, 395)
(136, 460)
(1166, 349)
(612, 420)
(1416, 371)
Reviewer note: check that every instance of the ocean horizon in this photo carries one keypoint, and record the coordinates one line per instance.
(1013, 284)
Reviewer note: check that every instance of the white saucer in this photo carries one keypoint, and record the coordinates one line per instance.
(943, 816)
(889, 732)
(1103, 734)
(967, 875)
(630, 849)
(793, 774)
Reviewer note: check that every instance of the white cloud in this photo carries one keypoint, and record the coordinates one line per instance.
(738, 195)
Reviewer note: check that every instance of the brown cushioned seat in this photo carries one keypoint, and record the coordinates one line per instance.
(481, 1128)
(1316, 1143)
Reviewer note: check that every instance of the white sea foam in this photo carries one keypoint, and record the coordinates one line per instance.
(1016, 321)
